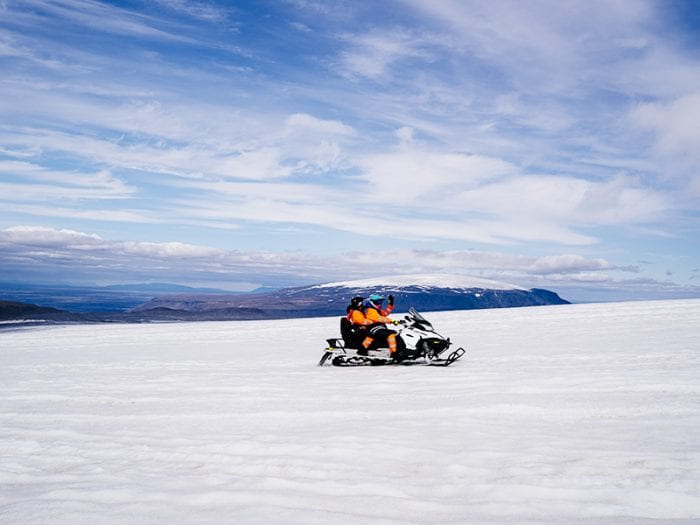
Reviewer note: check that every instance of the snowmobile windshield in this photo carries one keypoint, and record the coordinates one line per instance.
(416, 315)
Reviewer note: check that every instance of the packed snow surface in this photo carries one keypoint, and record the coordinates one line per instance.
(433, 280)
(557, 414)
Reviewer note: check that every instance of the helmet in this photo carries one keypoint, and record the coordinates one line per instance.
(356, 302)
(376, 298)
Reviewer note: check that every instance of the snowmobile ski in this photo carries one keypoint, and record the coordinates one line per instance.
(454, 356)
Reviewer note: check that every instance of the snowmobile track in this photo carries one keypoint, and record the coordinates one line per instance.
(357, 360)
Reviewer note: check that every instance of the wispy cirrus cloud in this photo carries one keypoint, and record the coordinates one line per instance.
(92, 214)
(675, 127)
(95, 16)
(545, 48)
(676, 123)
(199, 10)
(28, 181)
(371, 55)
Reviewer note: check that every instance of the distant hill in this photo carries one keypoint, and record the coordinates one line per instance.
(423, 292)
(12, 309)
(90, 299)
(14, 314)
(28, 313)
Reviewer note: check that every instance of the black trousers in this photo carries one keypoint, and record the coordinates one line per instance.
(380, 335)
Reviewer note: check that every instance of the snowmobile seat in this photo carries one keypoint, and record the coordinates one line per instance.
(352, 335)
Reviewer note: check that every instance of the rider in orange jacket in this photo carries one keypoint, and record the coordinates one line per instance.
(375, 317)
(374, 310)
(360, 323)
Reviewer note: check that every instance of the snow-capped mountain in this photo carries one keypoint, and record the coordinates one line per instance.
(423, 292)
(426, 280)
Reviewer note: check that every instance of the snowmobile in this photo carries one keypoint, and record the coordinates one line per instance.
(416, 340)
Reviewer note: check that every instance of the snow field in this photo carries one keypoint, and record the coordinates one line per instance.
(559, 414)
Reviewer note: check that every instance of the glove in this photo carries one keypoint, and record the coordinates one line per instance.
(391, 300)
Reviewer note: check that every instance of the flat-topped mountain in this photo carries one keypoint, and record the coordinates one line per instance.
(423, 292)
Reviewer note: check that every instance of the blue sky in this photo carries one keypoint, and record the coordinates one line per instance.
(236, 144)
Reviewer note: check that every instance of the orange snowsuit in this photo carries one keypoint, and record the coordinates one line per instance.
(372, 316)
(357, 316)
(379, 316)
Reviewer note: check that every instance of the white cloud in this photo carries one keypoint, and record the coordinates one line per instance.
(46, 247)
(415, 176)
(315, 145)
(459, 196)
(257, 164)
(544, 47)
(48, 237)
(661, 71)
(198, 10)
(166, 250)
(99, 16)
(675, 125)
(9, 47)
(502, 201)
(327, 208)
(27, 181)
(91, 215)
(568, 200)
(494, 264)
(567, 264)
(305, 123)
(621, 200)
(371, 55)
